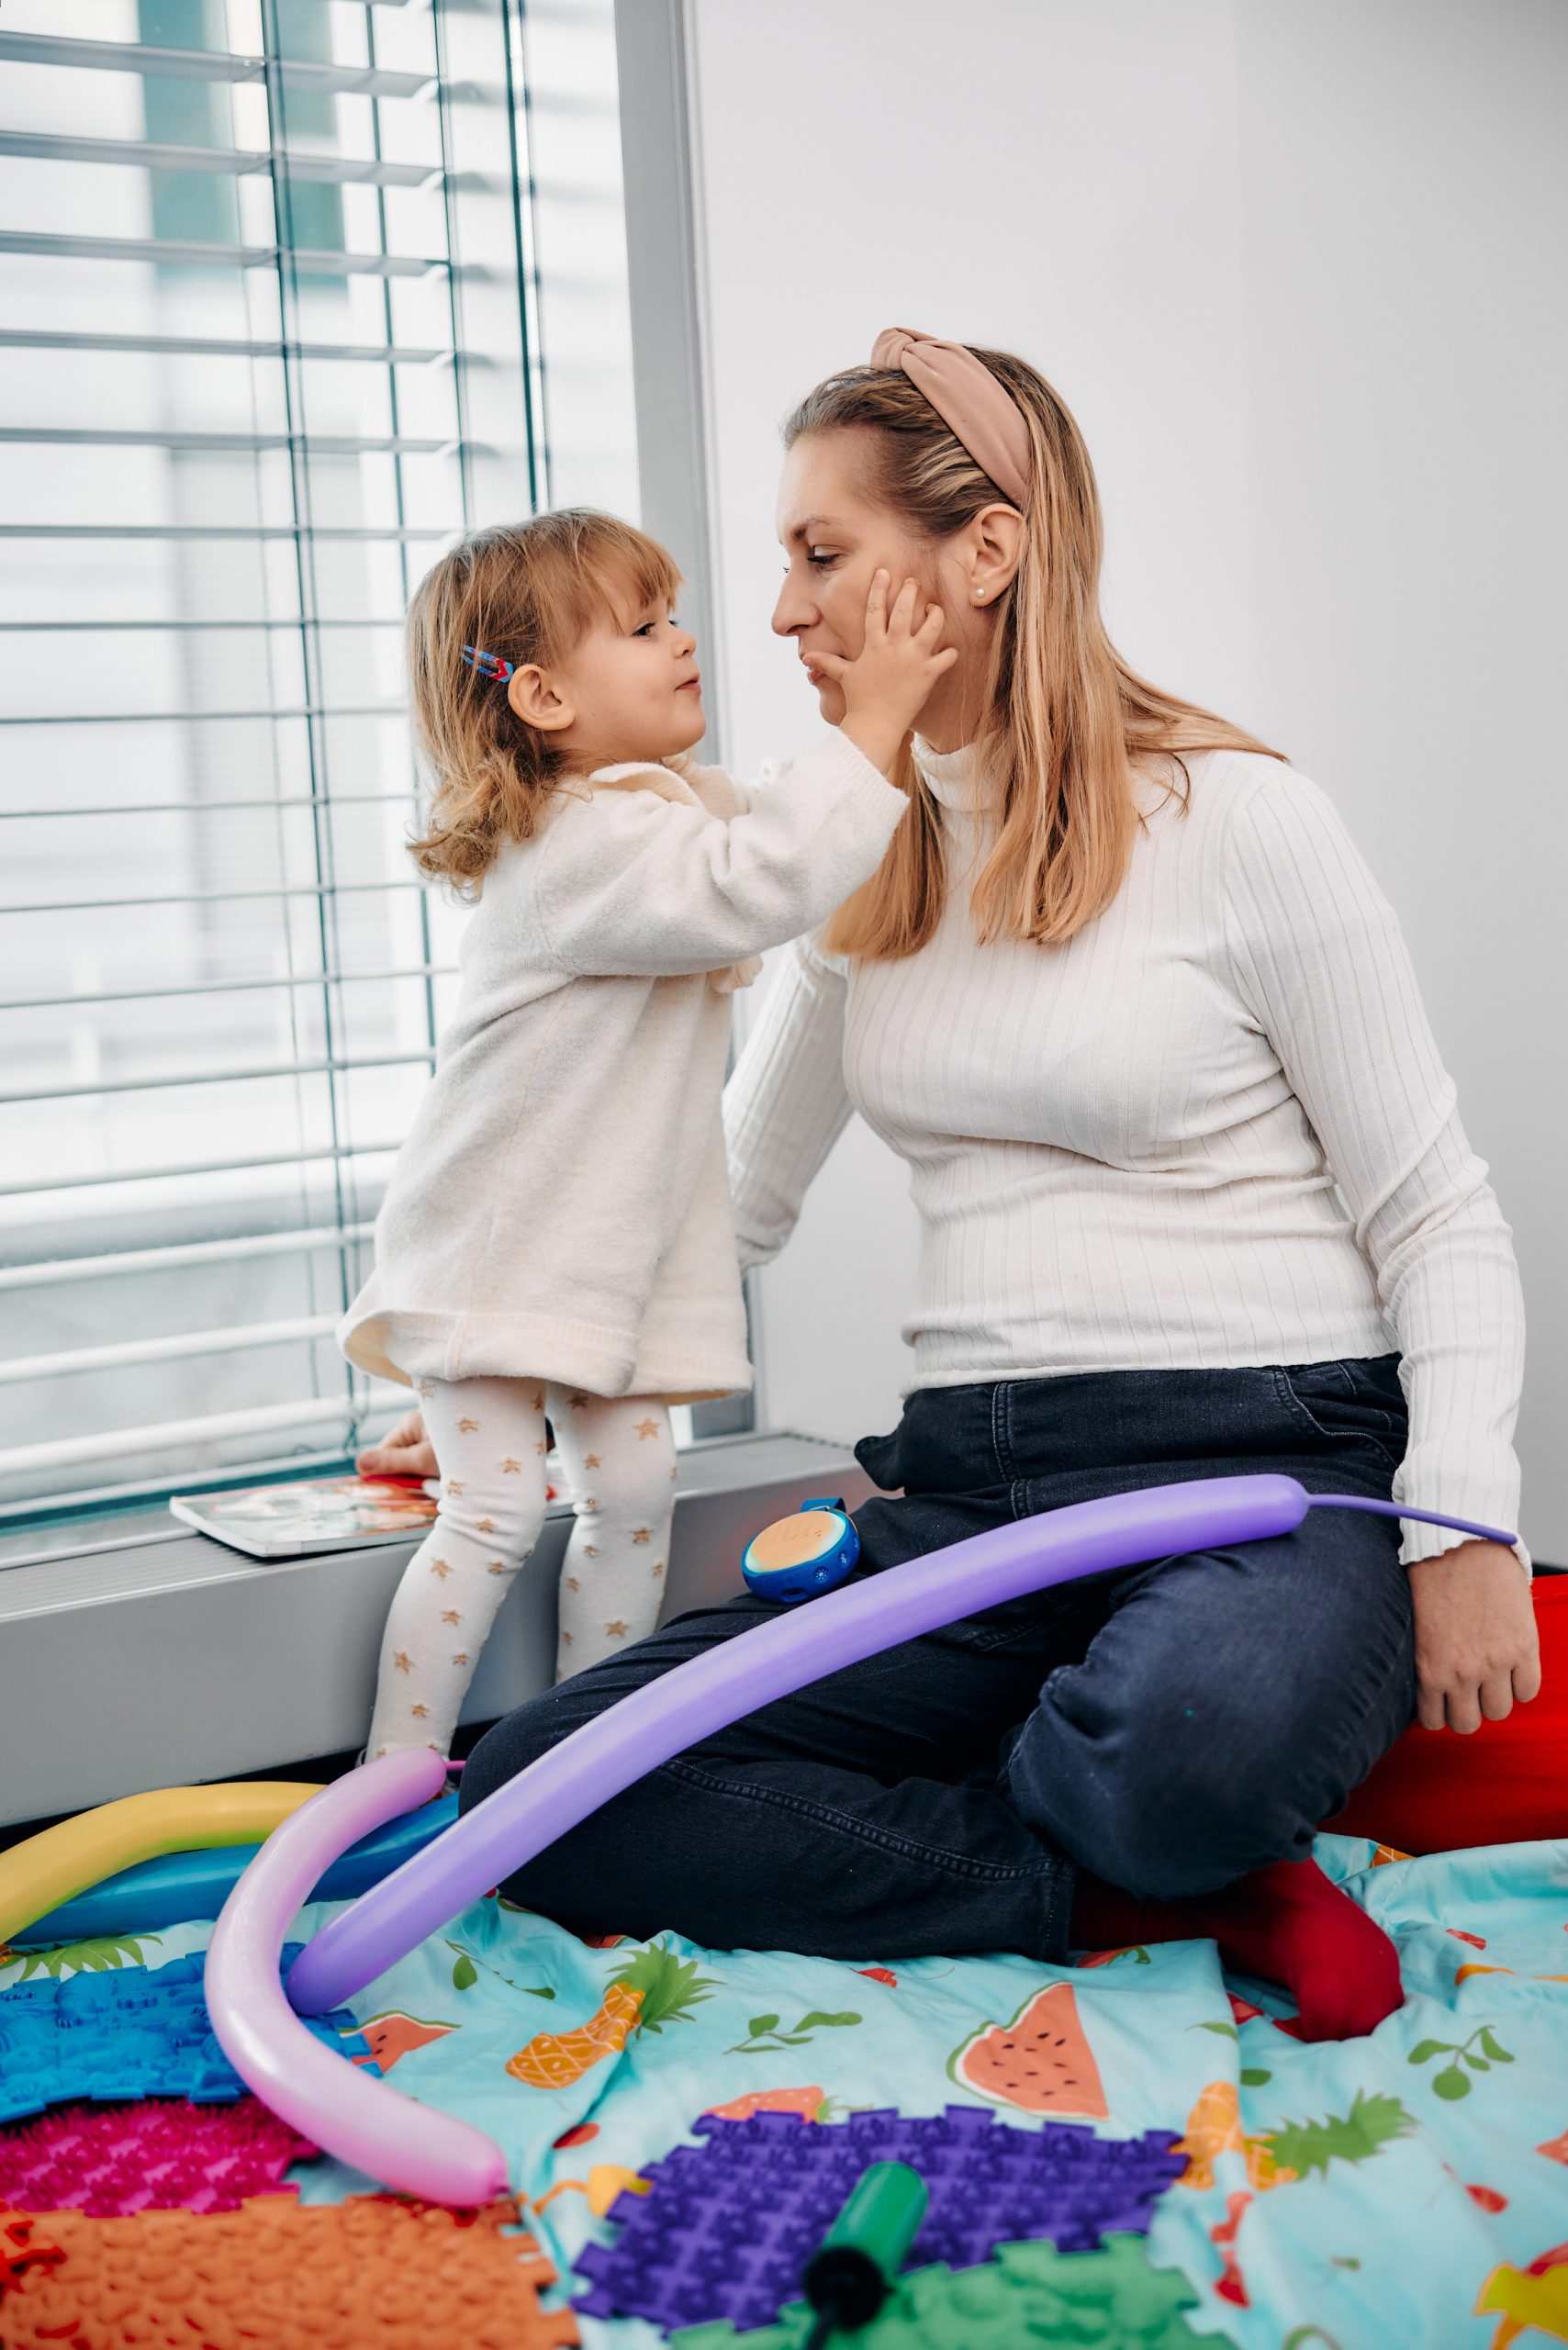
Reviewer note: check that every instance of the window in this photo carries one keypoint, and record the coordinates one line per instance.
(291, 292)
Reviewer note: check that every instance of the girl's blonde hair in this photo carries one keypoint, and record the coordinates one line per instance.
(525, 592)
(1065, 719)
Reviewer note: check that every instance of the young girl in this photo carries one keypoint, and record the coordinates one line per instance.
(555, 1236)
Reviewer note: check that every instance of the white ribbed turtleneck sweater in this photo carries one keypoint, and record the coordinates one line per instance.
(1211, 1130)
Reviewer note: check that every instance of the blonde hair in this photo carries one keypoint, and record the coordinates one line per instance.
(525, 592)
(1065, 719)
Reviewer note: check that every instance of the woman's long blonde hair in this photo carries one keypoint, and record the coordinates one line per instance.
(1065, 719)
(525, 592)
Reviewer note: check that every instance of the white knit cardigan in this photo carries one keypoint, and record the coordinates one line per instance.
(560, 1208)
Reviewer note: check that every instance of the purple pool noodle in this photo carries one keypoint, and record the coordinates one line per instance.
(708, 1691)
(1422, 1516)
(433, 2155)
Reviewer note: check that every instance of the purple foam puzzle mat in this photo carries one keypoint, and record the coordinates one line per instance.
(730, 2225)
(134, 2031)
(159, 2155)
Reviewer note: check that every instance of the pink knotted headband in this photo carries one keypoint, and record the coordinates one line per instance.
(971, 402)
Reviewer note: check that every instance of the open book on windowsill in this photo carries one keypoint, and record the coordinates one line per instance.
(321, 1514)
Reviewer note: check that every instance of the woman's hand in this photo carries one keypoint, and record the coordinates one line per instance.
(890, 682)
(406, 1451)
(1477, 1650)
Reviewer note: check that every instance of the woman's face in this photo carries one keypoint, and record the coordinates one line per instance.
(835, 536)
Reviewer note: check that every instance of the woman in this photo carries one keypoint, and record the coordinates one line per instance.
(1194, 1200)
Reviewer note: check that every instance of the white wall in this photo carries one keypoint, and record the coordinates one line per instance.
(1292, 263)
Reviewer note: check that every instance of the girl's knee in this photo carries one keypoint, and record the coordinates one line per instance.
(505, 1529)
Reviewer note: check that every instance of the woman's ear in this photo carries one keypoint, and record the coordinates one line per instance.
(995, 548)
(537, 701)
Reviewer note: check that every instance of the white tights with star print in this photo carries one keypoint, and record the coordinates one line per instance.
(488, 1436)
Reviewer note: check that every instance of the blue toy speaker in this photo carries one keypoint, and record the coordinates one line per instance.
(796, 1558)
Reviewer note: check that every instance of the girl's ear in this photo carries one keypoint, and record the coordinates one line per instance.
(534, 699)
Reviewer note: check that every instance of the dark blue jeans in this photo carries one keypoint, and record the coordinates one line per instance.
(1169, 1726)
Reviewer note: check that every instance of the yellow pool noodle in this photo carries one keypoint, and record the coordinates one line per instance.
(58, 1862)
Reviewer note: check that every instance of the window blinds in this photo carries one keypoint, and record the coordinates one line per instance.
(271, 306)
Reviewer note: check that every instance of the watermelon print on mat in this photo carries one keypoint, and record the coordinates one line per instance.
(1040, 2063)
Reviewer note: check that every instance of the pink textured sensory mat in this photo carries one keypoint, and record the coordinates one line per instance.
(159, 2153)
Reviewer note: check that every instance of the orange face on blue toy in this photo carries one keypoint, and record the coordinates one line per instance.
(798, 1557)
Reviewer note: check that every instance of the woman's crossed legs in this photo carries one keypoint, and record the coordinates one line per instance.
(1178, 1727)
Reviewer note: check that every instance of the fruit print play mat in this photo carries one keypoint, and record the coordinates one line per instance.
(1411, 2188)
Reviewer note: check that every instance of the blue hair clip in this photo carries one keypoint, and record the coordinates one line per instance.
(489, 665)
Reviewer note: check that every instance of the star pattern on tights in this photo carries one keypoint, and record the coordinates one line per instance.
(588, 1501)
(616, 1629)
(542, 1448)
(440, 1568)
(572, 1583)
(451, 1616)
(539, 1399)
(591, 1459)
(658, 1568)
(418, 1712)
(467, 1427)
(427, 1388)
(589, 1552)
(461, 1658)
(497, 1567)
(453, 1485)
(646, 1428)
(510, 1468)
(403, 1661)
(485, 1525)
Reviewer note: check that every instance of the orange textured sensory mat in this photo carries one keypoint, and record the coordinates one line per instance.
(376, 2273)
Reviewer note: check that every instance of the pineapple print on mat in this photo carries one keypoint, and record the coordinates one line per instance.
(650, 1990)
(1214, 2127)
(1041, 2062)
(1297, 2149)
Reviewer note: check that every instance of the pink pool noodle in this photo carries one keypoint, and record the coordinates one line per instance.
(337, 2105)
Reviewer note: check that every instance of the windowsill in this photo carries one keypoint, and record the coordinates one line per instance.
(160, 1658)
(137, 1526)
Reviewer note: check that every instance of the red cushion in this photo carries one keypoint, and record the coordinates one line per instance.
(1507, 1784)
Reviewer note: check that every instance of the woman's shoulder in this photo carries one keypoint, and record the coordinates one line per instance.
(1246, 795)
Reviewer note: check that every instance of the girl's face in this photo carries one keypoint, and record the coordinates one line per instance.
(630, 690)
(835, 536)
